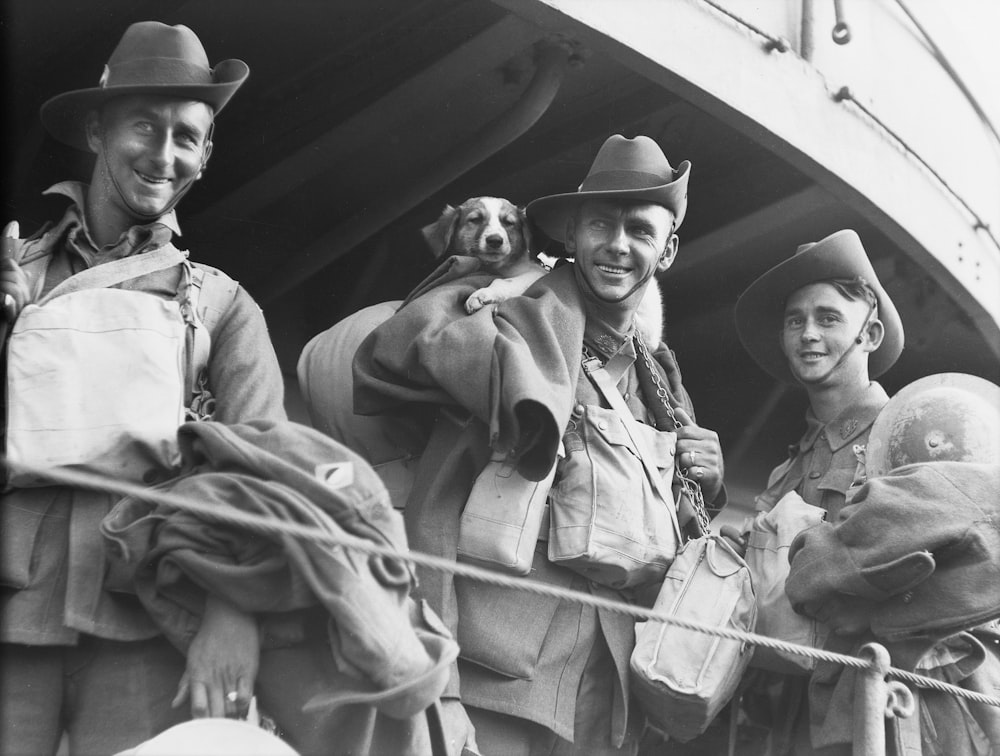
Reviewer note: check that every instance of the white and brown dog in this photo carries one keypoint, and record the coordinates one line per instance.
(495, 231)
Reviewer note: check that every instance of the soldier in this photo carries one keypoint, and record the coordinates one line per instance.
(78, 651)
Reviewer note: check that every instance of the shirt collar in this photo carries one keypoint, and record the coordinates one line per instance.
(77, 191)
(852, 421)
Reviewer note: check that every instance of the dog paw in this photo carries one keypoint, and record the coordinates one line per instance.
(477, 300)
(482, 297)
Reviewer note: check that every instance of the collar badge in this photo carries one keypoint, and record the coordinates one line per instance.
(848, 427)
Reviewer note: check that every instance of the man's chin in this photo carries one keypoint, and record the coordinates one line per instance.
(146, 207)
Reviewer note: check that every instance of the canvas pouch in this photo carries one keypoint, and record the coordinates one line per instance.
(682, 677)
(502, 517)
(768, 540)
(609, 519)
(96, 376)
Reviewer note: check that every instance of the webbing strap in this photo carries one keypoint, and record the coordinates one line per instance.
(199, 342)
(108, 274)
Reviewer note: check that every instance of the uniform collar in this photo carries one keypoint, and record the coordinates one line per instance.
(615, 350)
(852, 421)
(77, 191)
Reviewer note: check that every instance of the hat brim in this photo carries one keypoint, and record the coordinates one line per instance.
(551, 213)
(63, 115)
(760, 310)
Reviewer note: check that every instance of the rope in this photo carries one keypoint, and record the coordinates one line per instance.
(841, 30)
(258, 523)
(844, 93)
(950, 70)
(773, 43)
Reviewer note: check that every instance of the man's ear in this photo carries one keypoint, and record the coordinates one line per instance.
(668, 255)
(570, 235)
(92, 126)
(876, 333)
(205, 157)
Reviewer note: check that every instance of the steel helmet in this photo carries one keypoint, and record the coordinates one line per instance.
(943, 417)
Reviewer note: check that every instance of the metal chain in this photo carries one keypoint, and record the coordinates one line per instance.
(690, 488)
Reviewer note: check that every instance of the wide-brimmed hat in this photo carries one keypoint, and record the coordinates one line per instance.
(151, 58)
(760, 310)
(946, 417)
(624, 169)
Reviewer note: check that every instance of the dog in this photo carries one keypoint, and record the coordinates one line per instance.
(496, 232)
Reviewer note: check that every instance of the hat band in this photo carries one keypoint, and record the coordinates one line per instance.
(622, 180)
(152, 72)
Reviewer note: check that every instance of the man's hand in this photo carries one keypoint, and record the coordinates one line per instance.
(735, 538)
(222, 663)
(845, 615)
(458, 728)
(699, 454)
(14, 292)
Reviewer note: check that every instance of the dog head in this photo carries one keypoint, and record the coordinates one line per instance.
(491, 229)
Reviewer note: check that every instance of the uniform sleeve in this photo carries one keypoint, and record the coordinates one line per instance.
(243, 371)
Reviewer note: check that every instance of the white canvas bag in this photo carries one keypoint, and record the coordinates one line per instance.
(96, 375)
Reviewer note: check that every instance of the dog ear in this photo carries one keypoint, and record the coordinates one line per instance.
(534, 238)
(438, 234)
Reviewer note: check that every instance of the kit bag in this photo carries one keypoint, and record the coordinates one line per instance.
(502, 517)
(98, 377)
(769, 538)
(681, 677)
(612, 513)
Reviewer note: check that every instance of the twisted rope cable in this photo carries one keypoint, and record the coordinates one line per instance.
(782, 45)
(773, 42)
(258, 523)
(845, 93)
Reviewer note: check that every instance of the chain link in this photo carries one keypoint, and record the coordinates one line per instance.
(689, 487)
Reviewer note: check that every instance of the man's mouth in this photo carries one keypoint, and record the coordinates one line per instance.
(152, 179)
(613, 270)
(811, 356)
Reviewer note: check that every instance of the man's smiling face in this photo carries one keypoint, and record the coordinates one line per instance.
(619, 246)
(150, 148)
(820, 326)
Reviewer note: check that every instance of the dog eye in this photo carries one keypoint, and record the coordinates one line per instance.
(508, 221)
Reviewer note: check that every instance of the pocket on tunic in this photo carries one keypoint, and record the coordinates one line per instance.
(504, 629)
(21, 518)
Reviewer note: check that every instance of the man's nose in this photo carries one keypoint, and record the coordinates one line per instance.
(161, 150)
(618, 242)
(810, 332)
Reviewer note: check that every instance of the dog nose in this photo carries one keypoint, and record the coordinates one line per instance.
(494, 241)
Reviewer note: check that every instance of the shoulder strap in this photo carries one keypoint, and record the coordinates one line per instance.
(111, 273)
(199, 341)
(216, 293)
(602, 380)
(207, 295)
